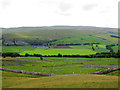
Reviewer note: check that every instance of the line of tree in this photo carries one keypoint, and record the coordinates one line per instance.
(10, 54)
(109, 48)
(97, 55)
(77, 44)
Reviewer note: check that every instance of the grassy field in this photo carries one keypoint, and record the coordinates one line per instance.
(16, 48)
(17, 80)
(115, 48)
(68, 66)
(66, 73)
(70, 72)
(74, 50)
(61, 51)
(58, 35)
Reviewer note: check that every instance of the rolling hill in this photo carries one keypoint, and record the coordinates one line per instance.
(56, 35)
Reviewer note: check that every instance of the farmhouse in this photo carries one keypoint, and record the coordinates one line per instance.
(61, 47)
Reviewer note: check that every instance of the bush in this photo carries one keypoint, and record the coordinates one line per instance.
(10, 54)
(59, 55)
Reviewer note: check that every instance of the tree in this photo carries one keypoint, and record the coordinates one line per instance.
(93, 48)
(41, 58)
(3, 55)
(10, 54)
(14, 55)
(111, 51)
(59, 55)
(26, 55)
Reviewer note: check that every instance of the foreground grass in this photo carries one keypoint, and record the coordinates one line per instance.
(17, 80)
(75, 69)
(115, 73)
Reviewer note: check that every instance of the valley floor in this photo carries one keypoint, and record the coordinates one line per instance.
(69, 72)
(17, 80)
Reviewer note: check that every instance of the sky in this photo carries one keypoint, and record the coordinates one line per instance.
(19, 13)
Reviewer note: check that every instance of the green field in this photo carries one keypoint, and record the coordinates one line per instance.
(69, 66)
(17, 80)
(43, 37)
(61, 51)
(66, 68)
(69, 72)
(74, 50)
(16, 48)
(66, 73)
(115, 48)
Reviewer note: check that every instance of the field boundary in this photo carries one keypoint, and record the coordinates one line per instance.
(106, 71)
(49, 74)
(27, 72)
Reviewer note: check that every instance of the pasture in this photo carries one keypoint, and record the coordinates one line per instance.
(17, 80)
(65, 69)
(70, 72)
(60, 66)
(74, 50)
(115, 48)
(63, 72)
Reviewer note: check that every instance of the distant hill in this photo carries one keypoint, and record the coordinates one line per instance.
(60, 27)
(58, 35)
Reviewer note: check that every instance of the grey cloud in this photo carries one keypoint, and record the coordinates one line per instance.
(60, 7)
(89, 6)
(64, 7)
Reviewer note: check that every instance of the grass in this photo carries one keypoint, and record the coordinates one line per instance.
(32, 63)
(36, 66)
(63, 36)
(61, 70)
(59, 60)
(114, 73)
(75, 50)
(16, 80)
(56, 36)
(81, 47)
(77, 58)
(63, 80)
(29, 58)
(9, 58)
(116, 48)
(17, 49)
(61, 51)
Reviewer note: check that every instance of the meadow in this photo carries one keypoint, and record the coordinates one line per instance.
(116, 48)
(60, 66)
(18, 80)
(66, 70)
(74, 50)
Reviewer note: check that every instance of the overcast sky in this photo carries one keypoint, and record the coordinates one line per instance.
(18, 13)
